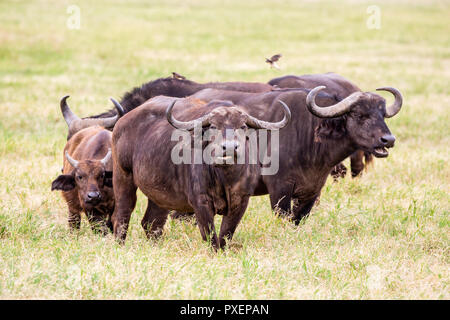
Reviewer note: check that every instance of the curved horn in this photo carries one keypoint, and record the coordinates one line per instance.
(76, 124)
(105, 160)
(259, 124)
(393, 109)
(119, 108)
(188, 125)
(68, 115)
(335, 110)
(71, 160)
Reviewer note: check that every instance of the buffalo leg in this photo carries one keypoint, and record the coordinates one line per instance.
(154, 220)
(204, 212)
(302, 209)
(125, 195)
(339, 171)
(74, 219)
(109, 224)
(280, 201)
(356, 163)
(98, 221)
(74, 208)
(231, 221)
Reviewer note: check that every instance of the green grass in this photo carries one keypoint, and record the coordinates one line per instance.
(385, 235)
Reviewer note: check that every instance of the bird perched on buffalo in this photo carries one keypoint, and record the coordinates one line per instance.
(178, 76)
(273, 61)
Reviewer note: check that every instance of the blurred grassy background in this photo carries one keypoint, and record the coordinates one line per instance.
(382, 236)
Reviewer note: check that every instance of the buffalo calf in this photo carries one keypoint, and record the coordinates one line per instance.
(86, 179)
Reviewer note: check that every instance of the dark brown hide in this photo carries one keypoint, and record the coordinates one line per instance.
(311, 146)
(339, 87)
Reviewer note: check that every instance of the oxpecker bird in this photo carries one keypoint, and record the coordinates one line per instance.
(273, 61)
(178, 76)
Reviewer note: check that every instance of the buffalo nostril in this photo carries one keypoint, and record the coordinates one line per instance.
(93, 195)
(388, 140)
(230, 145)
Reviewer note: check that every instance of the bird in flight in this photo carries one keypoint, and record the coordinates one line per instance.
(273, 61)
(178, 76)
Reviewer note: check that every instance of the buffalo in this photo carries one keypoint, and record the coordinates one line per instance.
(142, 158)
(317, 139)
(86, 179)
(340, 87)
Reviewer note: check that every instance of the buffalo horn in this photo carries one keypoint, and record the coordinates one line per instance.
(333, 111)
(259, 124)
(76, 124)
(188, 125)
(393, 109)
(105, 160)
(71, 160)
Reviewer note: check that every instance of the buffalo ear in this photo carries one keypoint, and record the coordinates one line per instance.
(64, 182)
(108, 179)
(330, 129)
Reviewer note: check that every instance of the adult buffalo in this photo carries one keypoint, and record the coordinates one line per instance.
(143, 158)
(317, 139)
(340, 87)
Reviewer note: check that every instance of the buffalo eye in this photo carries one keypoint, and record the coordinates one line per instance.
(107, 176)
(365, 117)
(244, 127)
(213, 127)
(80, 177)
(360, 117)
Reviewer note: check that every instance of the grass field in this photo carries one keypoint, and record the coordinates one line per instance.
(385, 235)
